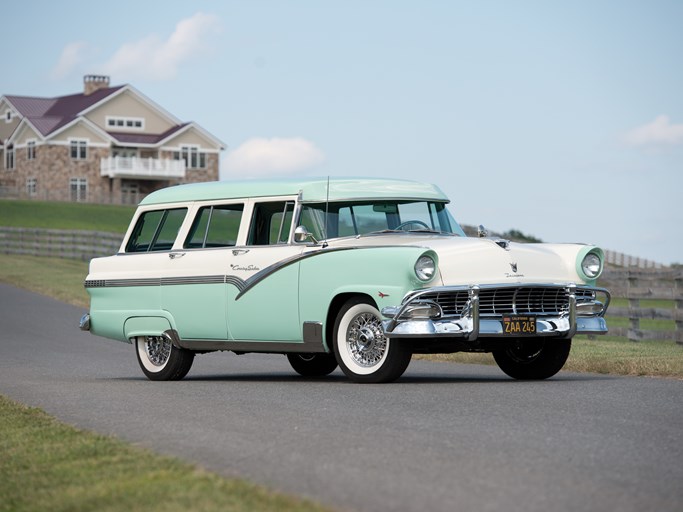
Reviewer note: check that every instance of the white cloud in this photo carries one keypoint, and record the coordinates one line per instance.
(660, 132)
(154, 58)
(261, 156)
(72, 56)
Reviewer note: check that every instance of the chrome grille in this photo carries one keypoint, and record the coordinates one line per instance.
(510, 300)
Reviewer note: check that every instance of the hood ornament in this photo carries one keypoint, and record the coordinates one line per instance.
(513, 266)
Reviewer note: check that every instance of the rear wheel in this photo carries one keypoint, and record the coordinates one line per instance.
(160, 360)
(362, 350)
(312, 365)
(533, 359)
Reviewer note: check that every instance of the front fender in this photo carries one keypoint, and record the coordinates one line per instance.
(384, 273)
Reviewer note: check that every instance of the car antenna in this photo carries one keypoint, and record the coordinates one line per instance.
(327, 210)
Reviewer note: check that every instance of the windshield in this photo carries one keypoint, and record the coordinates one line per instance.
(370, 217)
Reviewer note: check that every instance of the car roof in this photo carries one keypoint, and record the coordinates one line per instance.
(311, 190)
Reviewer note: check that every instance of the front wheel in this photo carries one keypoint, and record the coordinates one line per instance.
(362, 350)
(533, 359)
(160, 360)
(312, 365)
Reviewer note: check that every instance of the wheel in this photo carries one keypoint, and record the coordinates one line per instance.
(533, 359)
(362, 350)
(409, 222)
(160, 360)
(312, 365)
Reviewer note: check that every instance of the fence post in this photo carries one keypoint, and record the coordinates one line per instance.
(678, 308)
(633, 305)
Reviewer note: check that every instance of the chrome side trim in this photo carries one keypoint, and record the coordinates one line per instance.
(163, 281)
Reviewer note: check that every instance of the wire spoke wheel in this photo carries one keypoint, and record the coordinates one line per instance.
(159, 359)
(362, 350)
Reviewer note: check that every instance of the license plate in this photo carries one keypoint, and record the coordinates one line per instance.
(519, 325)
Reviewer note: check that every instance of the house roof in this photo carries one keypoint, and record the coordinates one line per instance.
(50, 114)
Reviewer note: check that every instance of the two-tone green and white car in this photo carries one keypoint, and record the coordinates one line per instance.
(357, 273)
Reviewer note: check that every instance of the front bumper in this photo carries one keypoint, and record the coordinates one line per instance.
(84, 324)
(420, 318)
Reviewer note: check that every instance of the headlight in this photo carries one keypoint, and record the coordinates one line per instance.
(591, 265)
(425, 268)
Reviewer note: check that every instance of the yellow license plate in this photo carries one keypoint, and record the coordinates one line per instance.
(519, 325)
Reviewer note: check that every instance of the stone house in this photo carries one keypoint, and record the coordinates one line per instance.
(104, 145)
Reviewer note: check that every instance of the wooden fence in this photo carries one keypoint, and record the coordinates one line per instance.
(619, 259)
(59, 243)
(640, 285)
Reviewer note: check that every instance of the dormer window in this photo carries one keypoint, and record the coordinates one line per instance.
(125, 123)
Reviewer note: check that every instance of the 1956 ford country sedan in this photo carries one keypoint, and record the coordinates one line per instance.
(356, 273)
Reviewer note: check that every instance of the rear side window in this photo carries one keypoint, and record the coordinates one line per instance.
(215, 226)
(156, 230)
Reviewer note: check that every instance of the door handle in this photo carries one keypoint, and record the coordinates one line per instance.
(239, 252)
(175, 255)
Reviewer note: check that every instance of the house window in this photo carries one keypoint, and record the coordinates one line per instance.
(79, 149)
(9, 157)
(194, 159)
(129, 123)
(8, 116)
(78, 188)
(31, 186)
(31, 150)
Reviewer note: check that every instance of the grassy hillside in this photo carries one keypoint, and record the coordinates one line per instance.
(64, 215)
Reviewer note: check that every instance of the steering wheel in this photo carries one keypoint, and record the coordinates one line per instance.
(409, 222)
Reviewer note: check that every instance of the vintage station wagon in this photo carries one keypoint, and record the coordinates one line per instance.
(357, 273)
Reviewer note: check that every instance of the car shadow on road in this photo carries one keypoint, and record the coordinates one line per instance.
(407, 379)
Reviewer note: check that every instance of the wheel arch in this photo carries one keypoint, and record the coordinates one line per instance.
(146, 326)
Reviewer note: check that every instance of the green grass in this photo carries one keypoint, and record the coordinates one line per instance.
(46, 465)
(63, 215)
(59, 278)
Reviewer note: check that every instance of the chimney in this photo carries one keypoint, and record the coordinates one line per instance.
(92, 83)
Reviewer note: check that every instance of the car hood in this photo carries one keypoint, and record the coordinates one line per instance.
(464, 260)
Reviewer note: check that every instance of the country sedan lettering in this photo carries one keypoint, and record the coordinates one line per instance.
(356, 273)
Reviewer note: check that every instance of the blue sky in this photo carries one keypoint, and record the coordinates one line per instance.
(561, 119)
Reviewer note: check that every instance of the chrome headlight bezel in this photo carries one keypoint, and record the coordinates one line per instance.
(425, 268)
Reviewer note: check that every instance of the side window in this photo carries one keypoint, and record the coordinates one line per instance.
(271, 222)
(215, 226)
(156, 230)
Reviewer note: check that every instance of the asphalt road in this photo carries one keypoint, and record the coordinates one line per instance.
(444, 437)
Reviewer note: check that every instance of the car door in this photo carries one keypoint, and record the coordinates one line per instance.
(194, 289)
(263, 276)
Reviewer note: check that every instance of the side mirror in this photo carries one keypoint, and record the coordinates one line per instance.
(301, 235)
(482, 232)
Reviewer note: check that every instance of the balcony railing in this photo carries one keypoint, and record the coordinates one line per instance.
(142, 168)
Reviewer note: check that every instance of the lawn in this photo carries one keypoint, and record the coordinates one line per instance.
(63, 215)
(46, 465)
